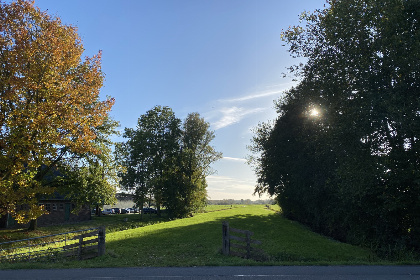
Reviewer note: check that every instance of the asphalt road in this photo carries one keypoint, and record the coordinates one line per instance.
(237, 273)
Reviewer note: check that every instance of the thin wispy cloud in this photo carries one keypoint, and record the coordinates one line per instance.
(234, 159)
(274, 90)
(233, 115)
(229, 111)
(252, 96)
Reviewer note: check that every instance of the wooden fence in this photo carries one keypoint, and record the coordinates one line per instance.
(81, 244)
(240, 246)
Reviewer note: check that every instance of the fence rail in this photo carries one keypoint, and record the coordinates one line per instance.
(69, 244)
(243, 243)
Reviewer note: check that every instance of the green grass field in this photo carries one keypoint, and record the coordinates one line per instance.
(197, 241)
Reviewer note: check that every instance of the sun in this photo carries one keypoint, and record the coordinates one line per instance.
(314, 113)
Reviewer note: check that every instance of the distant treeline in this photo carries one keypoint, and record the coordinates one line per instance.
(240, 201)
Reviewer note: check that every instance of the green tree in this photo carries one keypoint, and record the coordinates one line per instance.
(88, 185)
(92, 179)
(147, 154)
(360, 157)
(186, 186)
(168, 163)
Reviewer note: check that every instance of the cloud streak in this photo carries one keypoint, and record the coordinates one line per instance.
(275, 90)
(234, 159)
(252, 96)
(230, 111)
(233, 115)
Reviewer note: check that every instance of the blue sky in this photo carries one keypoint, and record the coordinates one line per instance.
(221, 58)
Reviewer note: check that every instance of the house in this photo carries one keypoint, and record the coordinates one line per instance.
(59, 212)
(58, 206)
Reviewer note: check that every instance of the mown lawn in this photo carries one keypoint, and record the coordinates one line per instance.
(197, 241)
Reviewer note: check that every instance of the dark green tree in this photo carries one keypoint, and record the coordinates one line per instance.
(186, 187)
(355, 170)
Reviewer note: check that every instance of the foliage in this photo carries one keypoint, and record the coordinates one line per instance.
(92, 179)
(351, 171)
(49, 103)
(186, 189)
(148, 153)
(168, 163)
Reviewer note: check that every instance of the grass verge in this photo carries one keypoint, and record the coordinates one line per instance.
(196, 241)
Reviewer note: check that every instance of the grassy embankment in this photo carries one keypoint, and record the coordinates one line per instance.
(196, 241)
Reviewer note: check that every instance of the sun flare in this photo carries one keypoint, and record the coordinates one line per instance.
(314, 113)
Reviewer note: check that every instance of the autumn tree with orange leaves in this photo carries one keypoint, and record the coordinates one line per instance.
(49, 103)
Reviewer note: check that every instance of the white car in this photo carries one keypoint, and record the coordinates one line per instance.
(107, 211)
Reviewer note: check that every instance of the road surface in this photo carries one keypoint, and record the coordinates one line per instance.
(223, 273)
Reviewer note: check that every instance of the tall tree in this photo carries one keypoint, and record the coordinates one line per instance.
(186, 188)
(167, 162)
(147, 153)
(49, 103)
(362, 71)
(198, 157)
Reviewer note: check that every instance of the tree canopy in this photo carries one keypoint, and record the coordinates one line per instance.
(166, 162)
(186, 185)
(351, 170)
(49, 103)
(148, 152)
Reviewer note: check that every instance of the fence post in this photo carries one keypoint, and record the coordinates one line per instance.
(248, 244)
(101, 241)
(226, 238)
(79, 252)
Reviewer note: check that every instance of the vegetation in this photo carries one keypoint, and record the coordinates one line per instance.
(196, 241)
(49, 104)
(92, 179)
(166, 163)
(343, 155)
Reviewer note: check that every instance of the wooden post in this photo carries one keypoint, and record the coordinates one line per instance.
(248, 244)
(226, 238)
(101, 241)
(79, 252)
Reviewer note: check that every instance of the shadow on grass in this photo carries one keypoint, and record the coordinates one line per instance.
(191, 242)
(197, 241)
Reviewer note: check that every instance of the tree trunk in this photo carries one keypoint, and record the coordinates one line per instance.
(98, 210)
(158, 209)
(4, 220)
(33, 225)
(140, 206)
